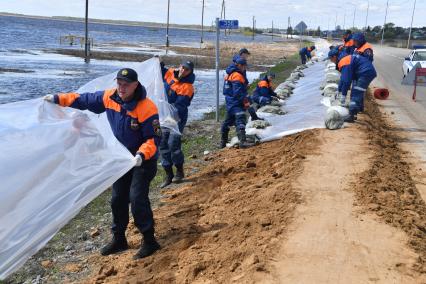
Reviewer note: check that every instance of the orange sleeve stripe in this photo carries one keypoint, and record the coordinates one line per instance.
(148, 149)
(236, 77)
(108, 103)
(344, 61)
(262, 84)
(144, 110)
(169, 76)
(349, 42)
(365, 47)
(67, 99)
(183, 89)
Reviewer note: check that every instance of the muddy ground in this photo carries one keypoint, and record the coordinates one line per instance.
(262, 54)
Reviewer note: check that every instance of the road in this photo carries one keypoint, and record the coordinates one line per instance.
(407, 117)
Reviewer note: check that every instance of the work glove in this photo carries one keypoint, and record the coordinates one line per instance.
(49, 98)
(139, 159)
(246, 103)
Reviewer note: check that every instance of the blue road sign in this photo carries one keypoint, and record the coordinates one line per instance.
(228, 24)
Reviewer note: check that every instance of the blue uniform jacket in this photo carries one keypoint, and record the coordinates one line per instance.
(263, 90)
(305, 52)
(135, 123)
(353, 67)
(235, 89)
(179, 92)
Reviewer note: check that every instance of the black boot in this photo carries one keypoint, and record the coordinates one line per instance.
(241, 133)
(179, 174)
(169, 177)
(117, 244)
(149, 245)
(351, 118)
(253, 114)
(224, 139)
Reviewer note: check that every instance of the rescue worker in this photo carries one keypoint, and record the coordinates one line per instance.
(305, 53)
(362, 47)
(235, 92)
(263, 93)
(243, 53)
(348, 43)
(359, 71)
(135, 123)
(179, 89)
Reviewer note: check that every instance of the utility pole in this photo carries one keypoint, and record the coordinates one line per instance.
(252, 35)
(353, 22)
(288, 26)
(386, 15)
(344, 20)
(335, 23)
(202, 22)
(167, 28)
(86, 37)
(366, 17)
(272, 30)
(411, 26)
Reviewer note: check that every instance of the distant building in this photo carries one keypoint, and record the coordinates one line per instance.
(301, 27)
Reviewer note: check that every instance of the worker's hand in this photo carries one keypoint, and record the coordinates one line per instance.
(139, 160)
(49, 98)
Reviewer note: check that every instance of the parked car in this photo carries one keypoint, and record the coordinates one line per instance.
(415, 56)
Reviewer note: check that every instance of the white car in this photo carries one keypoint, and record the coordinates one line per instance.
(415, 56)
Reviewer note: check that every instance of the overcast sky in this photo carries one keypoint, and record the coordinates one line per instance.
(314, 12)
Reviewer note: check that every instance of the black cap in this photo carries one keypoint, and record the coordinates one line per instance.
(188, 64)
(127, 74)
(244, 50)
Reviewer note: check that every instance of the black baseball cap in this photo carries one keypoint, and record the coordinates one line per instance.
(244, 50)
(188, 64)
(127, 74)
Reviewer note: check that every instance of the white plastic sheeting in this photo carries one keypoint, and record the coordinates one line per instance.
(54, 161)
(304, 108)
(149, 74)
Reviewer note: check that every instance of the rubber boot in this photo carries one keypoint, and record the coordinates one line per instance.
(351, 118)
(224, 139)
(169, 177)
(149, 245)
(241, 133)
(253, 114)
(117, 244)
(179, 174)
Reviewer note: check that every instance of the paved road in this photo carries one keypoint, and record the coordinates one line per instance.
(409, 117)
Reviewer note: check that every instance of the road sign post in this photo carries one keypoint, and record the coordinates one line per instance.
(221, 25)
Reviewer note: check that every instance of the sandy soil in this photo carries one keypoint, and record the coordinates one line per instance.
(224, 224)
(330, 241)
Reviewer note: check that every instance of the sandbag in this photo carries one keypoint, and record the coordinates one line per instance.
(335, 116)
(332, 77)
(272, 109)
(258, 124)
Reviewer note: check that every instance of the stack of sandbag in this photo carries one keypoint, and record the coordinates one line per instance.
(330, 90)
(332, 76)
(336, 113)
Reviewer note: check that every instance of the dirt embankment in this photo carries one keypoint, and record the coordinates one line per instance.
(387, 189)
(262, 54)
(223, 225)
